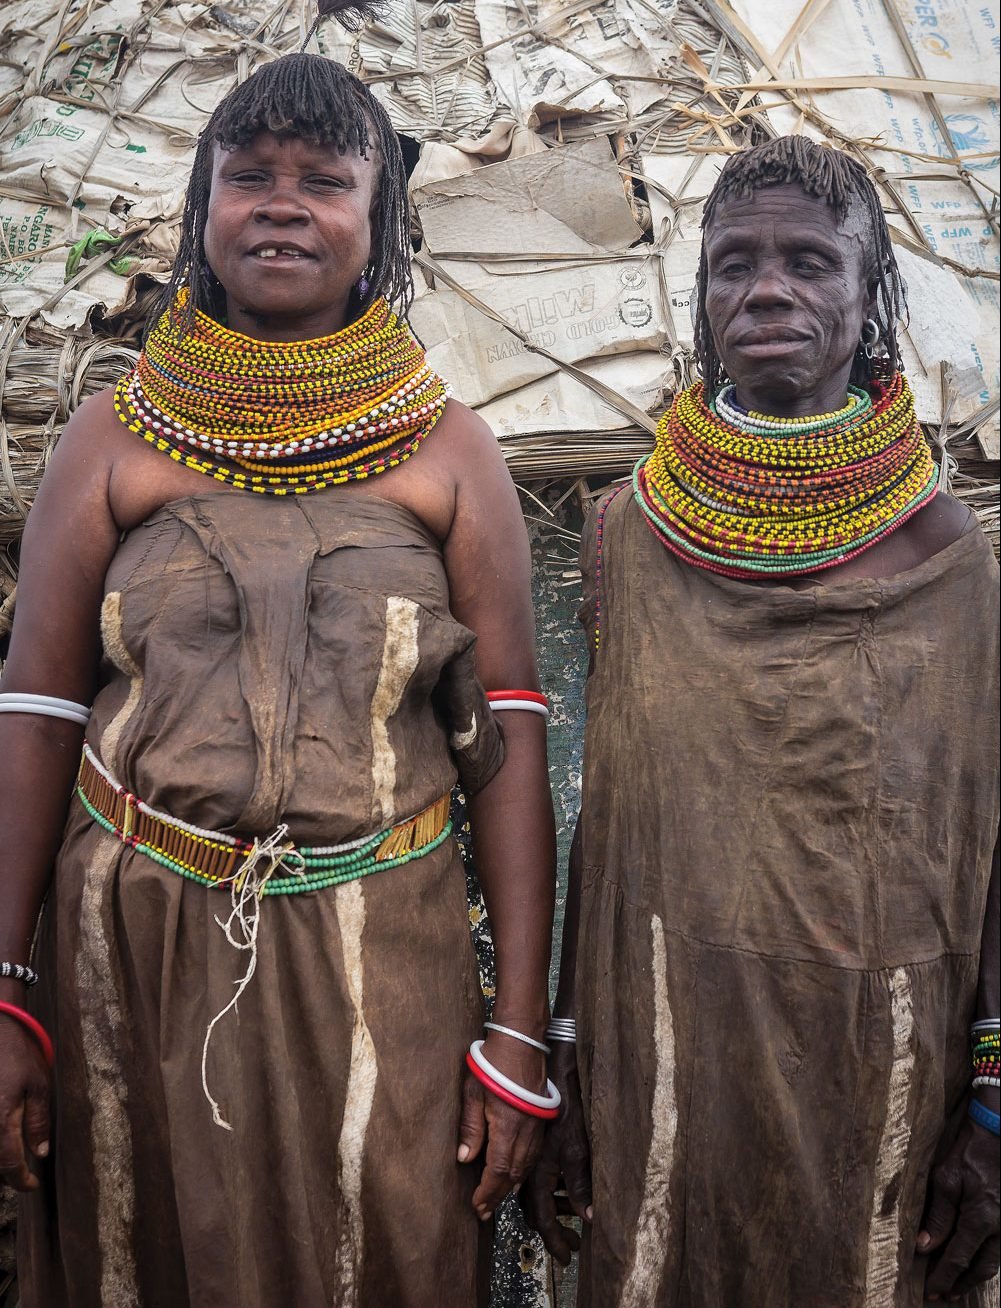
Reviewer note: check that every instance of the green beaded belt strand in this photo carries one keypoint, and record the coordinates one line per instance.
(214, 859)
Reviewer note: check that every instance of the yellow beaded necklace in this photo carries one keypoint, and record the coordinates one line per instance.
(745, 495)
(293, 417)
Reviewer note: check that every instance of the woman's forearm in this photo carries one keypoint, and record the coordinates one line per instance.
(564, 1006)
(989, 985)
(514, 846)
(39, 758)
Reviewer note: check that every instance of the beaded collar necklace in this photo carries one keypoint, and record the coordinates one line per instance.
(745, 495)
(283, 418)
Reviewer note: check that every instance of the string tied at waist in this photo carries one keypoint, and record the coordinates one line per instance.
(247, 887)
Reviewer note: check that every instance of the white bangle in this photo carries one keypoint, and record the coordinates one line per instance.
(550, 1100)
(529, 704)
(562, 1028)
(995, 1081)
(516, 1035)
(47, 706)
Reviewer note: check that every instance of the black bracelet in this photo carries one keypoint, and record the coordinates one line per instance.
(20, 972)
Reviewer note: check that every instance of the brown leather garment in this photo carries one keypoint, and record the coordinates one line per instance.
(267, 661)
(790, 805)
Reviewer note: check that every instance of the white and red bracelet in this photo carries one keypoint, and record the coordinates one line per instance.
(546, 1106)
(529, 700)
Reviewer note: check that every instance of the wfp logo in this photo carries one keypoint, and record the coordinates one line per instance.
(969, 135)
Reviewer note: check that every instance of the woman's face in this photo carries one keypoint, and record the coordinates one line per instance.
(786, 299)
(288, 233)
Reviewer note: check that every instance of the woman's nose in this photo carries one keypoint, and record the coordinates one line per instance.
(281, 205)
(769, 287)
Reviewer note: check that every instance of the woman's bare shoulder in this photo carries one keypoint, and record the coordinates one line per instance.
(458, 466)
(139, 478)
(94, 419)
(942, 521)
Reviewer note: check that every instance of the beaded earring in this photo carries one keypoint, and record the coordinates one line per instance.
(363, 285)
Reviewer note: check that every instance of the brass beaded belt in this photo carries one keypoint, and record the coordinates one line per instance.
(214, 859)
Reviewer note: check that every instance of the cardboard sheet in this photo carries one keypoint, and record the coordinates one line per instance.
(518, 104)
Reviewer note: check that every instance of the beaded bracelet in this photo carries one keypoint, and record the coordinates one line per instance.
(20, 972)
(985, 1040)
(984, 1117)
(516, 1035)
(35, 1027)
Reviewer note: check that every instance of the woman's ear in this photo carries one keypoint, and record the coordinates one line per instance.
(375, 221)
(872, 299)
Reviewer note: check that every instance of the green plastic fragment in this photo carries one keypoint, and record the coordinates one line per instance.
(94, 243)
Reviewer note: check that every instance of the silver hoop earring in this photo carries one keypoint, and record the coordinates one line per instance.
(869, 337)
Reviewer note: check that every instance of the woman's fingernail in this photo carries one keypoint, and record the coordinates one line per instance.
(924, 1240)
(589, 1212)
(463, 1153)
(43, 1150)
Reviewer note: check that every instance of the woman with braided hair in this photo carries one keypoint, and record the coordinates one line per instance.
(781, 949)
(263, 574)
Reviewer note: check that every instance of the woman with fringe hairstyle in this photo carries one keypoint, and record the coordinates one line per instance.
(275, 599)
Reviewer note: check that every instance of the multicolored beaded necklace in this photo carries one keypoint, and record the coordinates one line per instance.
(283, 418)
(745, 495)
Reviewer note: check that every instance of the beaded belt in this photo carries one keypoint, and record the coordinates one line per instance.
(214, 859)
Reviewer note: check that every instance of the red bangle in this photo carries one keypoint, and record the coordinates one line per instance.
(35, 1027)
(547, 1114)
(533, 695)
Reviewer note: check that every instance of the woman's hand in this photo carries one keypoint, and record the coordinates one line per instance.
(963, 1215)
(24, 1105)
(513, 1138)
(565, 1153)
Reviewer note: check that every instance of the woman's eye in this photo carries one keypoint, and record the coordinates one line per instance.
(327, 183)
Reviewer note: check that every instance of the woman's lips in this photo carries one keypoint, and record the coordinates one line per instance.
(279, 255)
(767, 342)
(766, 335)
